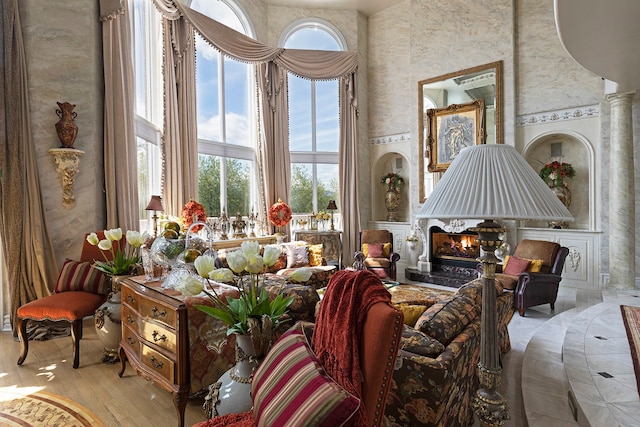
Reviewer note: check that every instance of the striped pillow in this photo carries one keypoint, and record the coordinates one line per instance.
(291, 389)
(81, 276)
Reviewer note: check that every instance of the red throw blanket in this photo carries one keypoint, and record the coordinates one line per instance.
(339, 324)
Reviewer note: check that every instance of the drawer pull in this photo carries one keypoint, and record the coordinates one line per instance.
(157, 338)
(158, 313)
(131, 341)
(130, 299)
(155, 363)
(130, 319)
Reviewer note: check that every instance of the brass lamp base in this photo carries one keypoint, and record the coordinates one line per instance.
(489, 406)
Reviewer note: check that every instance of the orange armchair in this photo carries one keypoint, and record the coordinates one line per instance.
(80, 290)
(376, 253)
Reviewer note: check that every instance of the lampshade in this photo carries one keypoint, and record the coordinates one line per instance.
(155, 204)
(492, 181)
(332, 205)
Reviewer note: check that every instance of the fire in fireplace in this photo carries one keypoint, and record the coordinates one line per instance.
(453, 246)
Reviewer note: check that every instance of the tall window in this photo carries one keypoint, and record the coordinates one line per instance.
(226, 105)
(147, 56)
(314, 126)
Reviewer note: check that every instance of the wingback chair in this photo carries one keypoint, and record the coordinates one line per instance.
(80, 290)
(534, 271)
(376, 247)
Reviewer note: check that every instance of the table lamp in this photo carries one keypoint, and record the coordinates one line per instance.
(491, 182)
(155, 205)
(332, 207)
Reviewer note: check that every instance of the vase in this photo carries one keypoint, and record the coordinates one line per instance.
(108, 321)
(392, 202)
(562, 191)
(66, 127)
(232, 393)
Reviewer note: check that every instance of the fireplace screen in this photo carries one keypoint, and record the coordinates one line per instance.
(454, 245)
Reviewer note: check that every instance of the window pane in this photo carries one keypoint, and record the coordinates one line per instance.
(311, 38)
(299, 114)
(143, 176)
(238, 187)
(236, 78)
(301, 198)
(209, 183)
(207, 82)
(327, 116)
(327, 185)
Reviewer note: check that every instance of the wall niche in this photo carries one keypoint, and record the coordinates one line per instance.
(396, 163)
(574, 149)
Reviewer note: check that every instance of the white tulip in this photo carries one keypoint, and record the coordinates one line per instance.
(105, 245)
(222, 275)
(204, 264)
(93, 239)
(189, 285)
(250, 248)
(271, 255)
(300, 275)
(237, 261)
(254, 263)
(134, 238)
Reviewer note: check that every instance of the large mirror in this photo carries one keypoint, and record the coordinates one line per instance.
(464, 87)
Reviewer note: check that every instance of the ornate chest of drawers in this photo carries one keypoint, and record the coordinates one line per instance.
(155, 339)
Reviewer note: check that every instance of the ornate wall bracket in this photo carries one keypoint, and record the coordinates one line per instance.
(67, 161)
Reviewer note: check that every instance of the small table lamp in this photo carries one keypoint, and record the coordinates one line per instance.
(491, 182)
(155, 205)
(332, 207)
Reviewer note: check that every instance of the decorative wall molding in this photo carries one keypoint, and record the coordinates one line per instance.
(390, 139)
(558, 115)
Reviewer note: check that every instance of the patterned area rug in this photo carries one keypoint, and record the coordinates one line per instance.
(631, 317)
(40, 409)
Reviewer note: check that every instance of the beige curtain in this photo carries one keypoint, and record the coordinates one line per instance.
(30, 265)
(120, 161)
(275, 168)
(348, 167)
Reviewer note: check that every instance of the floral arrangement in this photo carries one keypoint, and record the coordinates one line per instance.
(249, 310)
(323, 216)
(122, 259)
(280, 214)
(193, 210)
(392, 179)
(555, 172)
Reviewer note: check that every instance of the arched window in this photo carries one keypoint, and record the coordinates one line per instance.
(226, 109)
(314, 125)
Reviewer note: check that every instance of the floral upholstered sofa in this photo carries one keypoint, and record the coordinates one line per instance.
(295, 255)
(435, 377)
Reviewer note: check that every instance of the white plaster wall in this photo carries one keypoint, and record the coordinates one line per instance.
(64, 63)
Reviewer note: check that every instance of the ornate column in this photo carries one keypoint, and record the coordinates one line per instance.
(67, 161)
(622, 257)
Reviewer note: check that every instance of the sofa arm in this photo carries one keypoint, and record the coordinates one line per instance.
(537, 279)
(394, 257)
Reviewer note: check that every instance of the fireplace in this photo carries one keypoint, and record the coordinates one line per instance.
(450, 255)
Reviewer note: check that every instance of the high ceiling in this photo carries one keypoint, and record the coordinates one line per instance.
(366, 7)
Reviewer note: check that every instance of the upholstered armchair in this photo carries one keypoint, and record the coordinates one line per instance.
(376, 253)
(534, 272)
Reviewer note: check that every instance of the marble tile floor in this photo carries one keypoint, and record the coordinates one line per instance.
(538, 375)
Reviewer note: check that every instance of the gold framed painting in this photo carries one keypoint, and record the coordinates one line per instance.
(452, 128)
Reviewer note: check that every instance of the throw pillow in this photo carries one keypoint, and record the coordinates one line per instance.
(419, 343)
(290, 388)
(445, 320)
(315, 255)
(375, 250)
(411, 312)
(386, 250)
(535, 265)
(81, 276)
(297, 256)
(515, 266)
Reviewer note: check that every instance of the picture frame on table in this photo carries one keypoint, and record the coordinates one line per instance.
(452, 128)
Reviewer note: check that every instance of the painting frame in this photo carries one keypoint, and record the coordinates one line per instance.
(452, 128)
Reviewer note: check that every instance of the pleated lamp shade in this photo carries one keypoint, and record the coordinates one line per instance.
(492, 181)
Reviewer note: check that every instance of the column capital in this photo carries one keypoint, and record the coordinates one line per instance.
(613, 98)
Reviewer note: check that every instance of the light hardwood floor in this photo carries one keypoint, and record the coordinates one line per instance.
(130, 401)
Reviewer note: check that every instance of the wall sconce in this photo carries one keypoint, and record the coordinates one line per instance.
(332, 207)
(67, 161)
(155, 205)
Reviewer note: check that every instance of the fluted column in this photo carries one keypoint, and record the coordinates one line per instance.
(622, 256)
